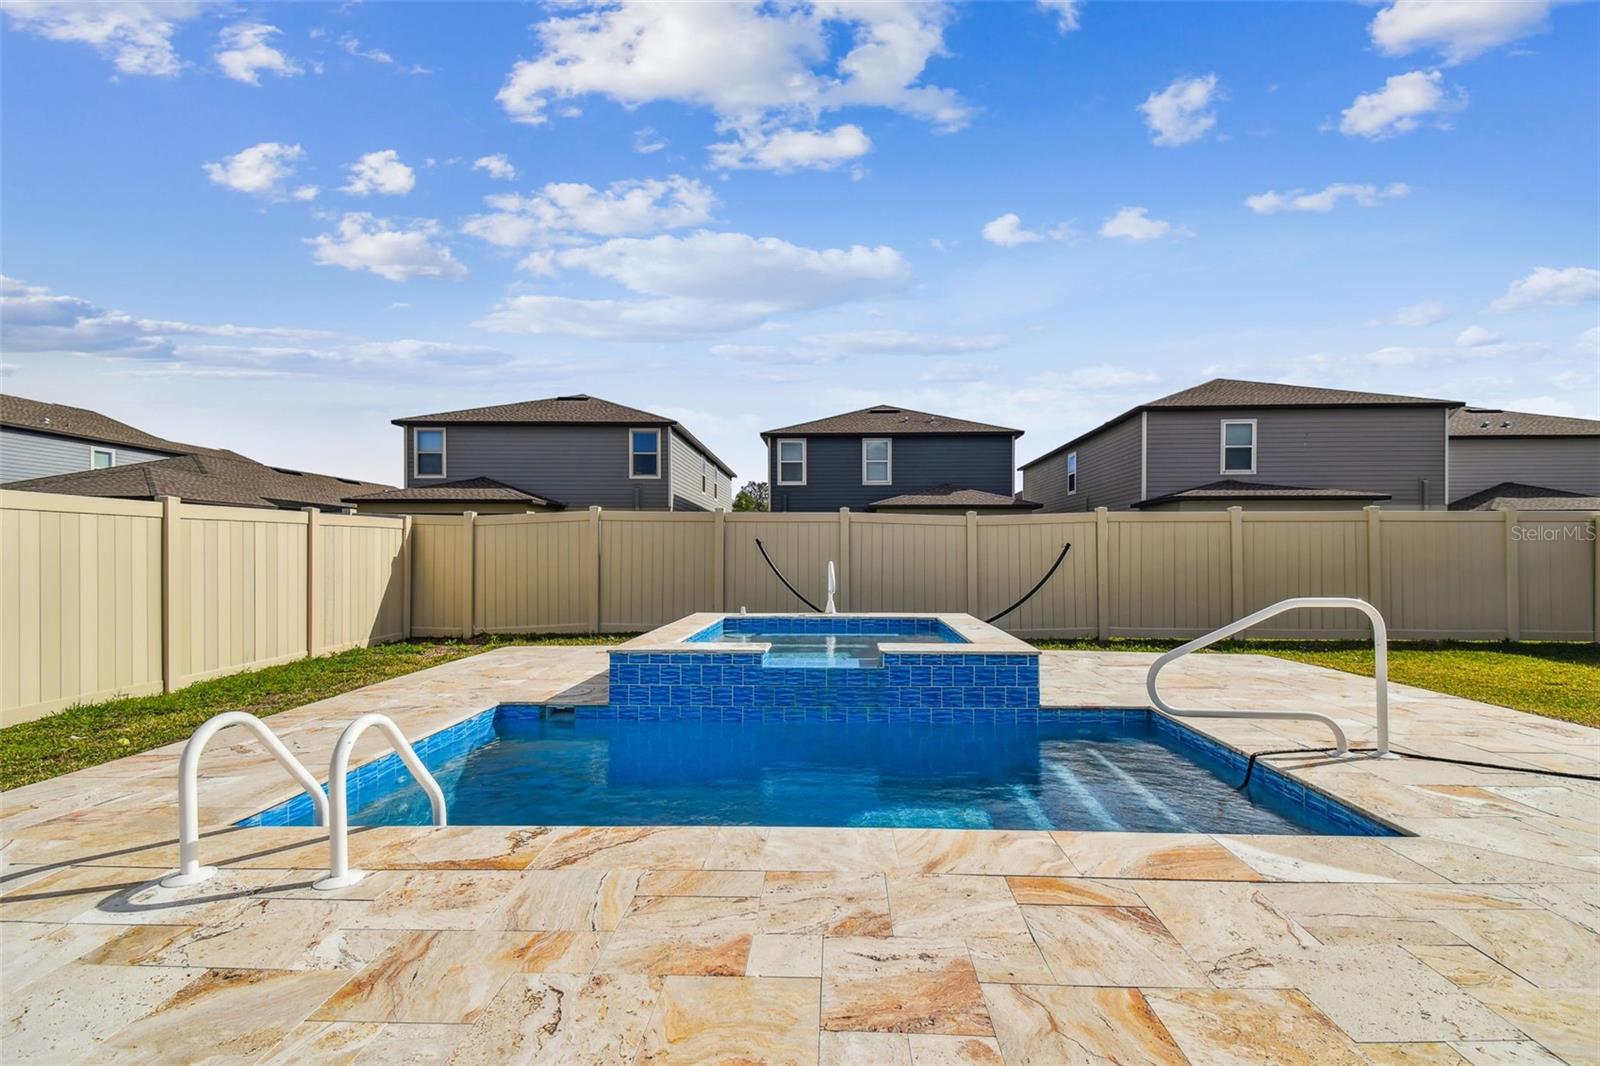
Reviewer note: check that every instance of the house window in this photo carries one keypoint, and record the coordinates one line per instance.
(100, 458)
(876, 462)
(704, 469)
(430, 452)
(791, 462)
(1239, 447)
(644, 453)
(1072, 473)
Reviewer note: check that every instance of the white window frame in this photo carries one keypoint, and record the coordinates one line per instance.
(888, 461)
(660, 458)
(1072, 473)
(805, 467)
(416, 452)
(93, 451)
(1222, 445)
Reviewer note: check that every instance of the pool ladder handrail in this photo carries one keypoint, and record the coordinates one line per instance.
(339, 873)
(1380, 655)
(190, 872)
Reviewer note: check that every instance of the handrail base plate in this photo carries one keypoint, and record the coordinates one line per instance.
(182, 880)
(350, 877)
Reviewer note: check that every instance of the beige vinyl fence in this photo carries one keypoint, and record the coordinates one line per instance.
(105, 597)
(101, 598)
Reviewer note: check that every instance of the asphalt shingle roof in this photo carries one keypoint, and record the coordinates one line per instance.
(887, 420)
(210, 478)
(1493, 422)
(956, 498)
(1231, 488)
(1512, 494)
(57, 419)
(578, 409)
(466, 490)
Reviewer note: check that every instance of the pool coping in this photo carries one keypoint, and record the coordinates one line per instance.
(980, 637)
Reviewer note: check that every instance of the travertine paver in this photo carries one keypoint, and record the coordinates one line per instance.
(1477, 940)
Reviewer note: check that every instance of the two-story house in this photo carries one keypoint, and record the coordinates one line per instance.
(539, 455)
(888, 458)
(39, 439)
(1254, 444)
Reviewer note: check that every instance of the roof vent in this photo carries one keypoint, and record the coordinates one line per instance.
(1505, 425)
(1484, 424)
(883, 410)
(291, 473)
(573, 399)
(44, 420)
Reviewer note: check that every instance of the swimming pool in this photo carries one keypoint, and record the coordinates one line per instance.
(1039, 769)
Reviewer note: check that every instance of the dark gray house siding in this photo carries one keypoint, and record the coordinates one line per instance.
(579, 466)
(1570, 463)
(25, 455)
(1108, 472)
(834, 469)
(1395, 450)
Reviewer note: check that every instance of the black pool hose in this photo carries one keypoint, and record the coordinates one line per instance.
(763, 549)
(1250, 766)
(1065, 548)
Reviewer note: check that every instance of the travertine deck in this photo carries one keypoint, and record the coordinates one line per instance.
(1474, 941)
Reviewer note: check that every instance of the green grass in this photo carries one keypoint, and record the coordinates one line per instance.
(1557, 680)
(95, 733)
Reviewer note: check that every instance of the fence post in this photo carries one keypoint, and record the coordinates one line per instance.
(719, 561)
(972, 563)
(405, 577)
(1236, 544)
(468, 567)
(1513, 592)
(594, 569)
(843, 601)
(1102, 573)
(171, 607)
(313, 591)
(1375, 594)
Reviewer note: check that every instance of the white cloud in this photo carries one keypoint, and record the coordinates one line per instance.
(1425, 313)
(701, 283)
(1473, 336)
(1135, 224)
(1547, 285)
(136, 37)
(756, 67)
(565, 208)
(243, 52)
(1368, 195)
(367, 243)
(1065, 12)
(496, 166)
(306, 193)
(784, 150)
(903, 342)
(1182, 112)
(1398, 107)
(380, 172)
(647, 141)
(377, 55)
(1007, 231)
(260, 169)
(1588, 341)
(1458, 29)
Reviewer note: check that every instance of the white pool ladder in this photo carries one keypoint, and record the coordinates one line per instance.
(339, 873)
(1380, 655)
(190, 872)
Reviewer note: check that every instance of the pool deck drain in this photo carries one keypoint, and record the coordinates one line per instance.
(1475, 940)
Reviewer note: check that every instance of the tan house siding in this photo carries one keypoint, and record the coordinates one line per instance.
(685, 464)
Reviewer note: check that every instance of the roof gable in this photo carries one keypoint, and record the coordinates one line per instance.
(887, 420)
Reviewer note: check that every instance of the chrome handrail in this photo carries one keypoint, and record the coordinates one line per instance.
(190, 872)
(339, 873)
(1380, 653)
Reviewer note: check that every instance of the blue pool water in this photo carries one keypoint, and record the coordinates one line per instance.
(854, 651)
(1086, 770)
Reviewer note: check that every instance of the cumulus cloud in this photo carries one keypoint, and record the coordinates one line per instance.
(1400, 105)
(260, 170)
(1368, 195)
(784, 150)
(380, 172)
(1135, 224)
(1425, 313)
(701, 283)
(1007, 231)
(1457, 29)
(1182, 112)
(1548, 285)
(784, 73)
(562, 209)
(244, 51)
(136, 37)
(496, 166)
(1065, 13)
(1473, 336)
(363, 242)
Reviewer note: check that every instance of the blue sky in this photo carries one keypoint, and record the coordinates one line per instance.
(274, 227)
